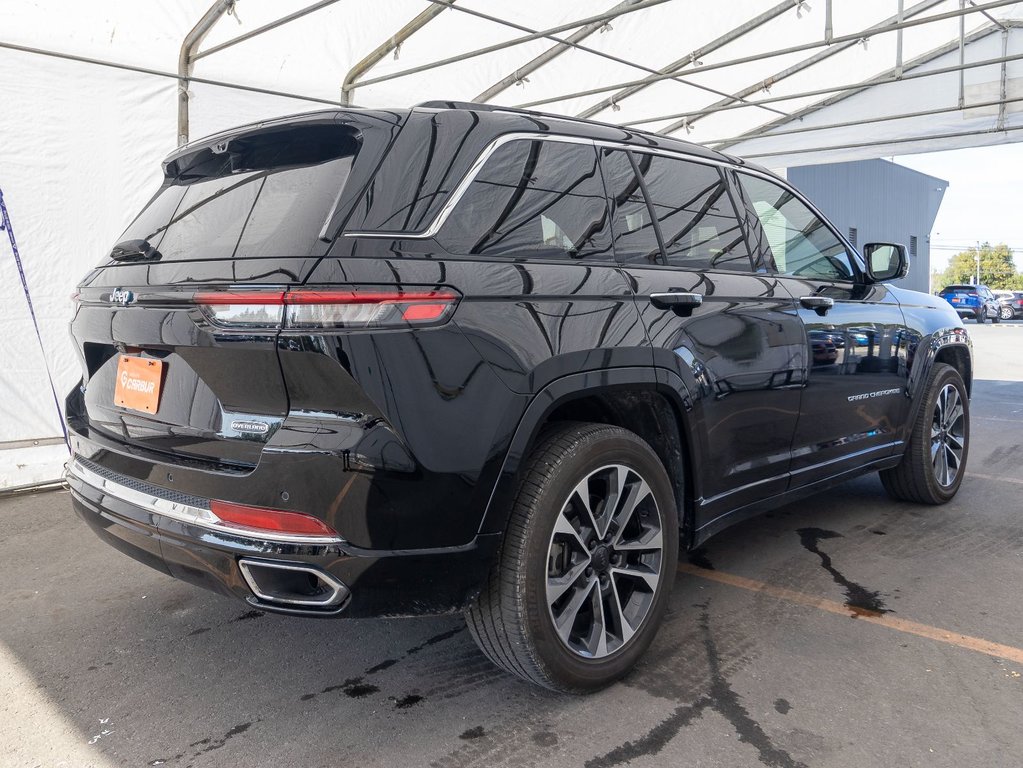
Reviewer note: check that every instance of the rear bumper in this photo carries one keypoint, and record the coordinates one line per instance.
(969, 313)
(169, 532)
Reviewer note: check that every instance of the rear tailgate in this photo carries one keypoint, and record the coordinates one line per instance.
(252, 210)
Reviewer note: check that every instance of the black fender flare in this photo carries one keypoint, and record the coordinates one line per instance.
(563, 390)
(927, 353)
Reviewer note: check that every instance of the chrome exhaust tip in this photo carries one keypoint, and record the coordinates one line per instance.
(293, 584)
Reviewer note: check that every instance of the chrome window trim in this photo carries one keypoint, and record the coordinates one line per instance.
(202, 517)
(470, 176)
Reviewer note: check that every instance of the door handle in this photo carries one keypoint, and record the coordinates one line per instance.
(680, 303)
(819, 304)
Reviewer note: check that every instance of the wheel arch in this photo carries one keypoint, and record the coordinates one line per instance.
(950, 346)
(650, 402)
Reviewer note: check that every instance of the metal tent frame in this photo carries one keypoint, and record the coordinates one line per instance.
(614, 93)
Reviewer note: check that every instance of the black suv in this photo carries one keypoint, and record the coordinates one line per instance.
(462, 358)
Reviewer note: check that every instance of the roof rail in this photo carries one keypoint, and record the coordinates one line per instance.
(440, 104)
(479, 107)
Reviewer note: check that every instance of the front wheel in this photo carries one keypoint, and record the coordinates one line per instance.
(932, 468)
(587, 563)
(1005, 313)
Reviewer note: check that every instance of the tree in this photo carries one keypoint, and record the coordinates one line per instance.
(997, 269)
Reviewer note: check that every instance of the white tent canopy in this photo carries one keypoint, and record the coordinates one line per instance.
(92, 101)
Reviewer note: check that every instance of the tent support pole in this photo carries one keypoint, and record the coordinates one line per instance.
(531, 35)
(1004, 89)
(552, 53)
(962, 56)
(265, 28)
(693, 59)
(876, 30)
(535, 34)
(186, 59)
(898, 41)
(392, 43)
(884, 78)
(716, 144)
(810, 61)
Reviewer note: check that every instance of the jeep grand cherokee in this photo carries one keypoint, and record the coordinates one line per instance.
(463, 358)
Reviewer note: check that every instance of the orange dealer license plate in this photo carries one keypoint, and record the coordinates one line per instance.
(138, 383)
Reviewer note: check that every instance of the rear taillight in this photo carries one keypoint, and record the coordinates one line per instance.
(260, 519)
(311, 309)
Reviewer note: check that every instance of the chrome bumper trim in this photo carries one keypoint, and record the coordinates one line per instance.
(184, 513)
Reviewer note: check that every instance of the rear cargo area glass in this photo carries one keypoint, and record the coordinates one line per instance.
(261, 196)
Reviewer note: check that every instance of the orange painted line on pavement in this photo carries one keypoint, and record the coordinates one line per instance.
(995, 477)
(977, 644)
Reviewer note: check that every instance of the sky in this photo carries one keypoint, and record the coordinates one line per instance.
(984, 199)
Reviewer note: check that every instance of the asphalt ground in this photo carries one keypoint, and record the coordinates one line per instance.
(104, 662)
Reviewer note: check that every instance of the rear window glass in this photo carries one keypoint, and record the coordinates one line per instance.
(969, 290)
(262, 196)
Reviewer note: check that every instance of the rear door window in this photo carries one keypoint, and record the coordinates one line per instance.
(695, 214)
(533, 199)
(635, 238)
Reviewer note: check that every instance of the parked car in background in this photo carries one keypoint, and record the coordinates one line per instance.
(1011, 304)
(973, 301)
(467, 358)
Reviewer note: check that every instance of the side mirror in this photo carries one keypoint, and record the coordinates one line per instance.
(885, 261)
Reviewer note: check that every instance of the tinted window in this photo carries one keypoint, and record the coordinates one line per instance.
(261, 196)
(538, 199)
(635, 239)
(291, 210)
(800, 242)
(967, 289)
(695, 214)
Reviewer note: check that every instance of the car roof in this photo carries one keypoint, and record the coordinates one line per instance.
(577, 126)
(517, 119)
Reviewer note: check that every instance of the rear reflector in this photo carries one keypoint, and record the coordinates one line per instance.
(261, 519)
(326, 308)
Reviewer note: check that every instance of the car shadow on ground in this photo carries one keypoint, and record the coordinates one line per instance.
(178, 676)
(145, 670)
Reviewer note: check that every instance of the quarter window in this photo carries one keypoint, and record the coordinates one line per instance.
(535, 199)
(800, 242)
(695, 214)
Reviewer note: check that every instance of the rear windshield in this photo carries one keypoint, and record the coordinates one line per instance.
(266, 195)
(969, 290)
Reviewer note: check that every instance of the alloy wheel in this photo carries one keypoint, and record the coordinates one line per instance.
(604, 561)
(948, 436)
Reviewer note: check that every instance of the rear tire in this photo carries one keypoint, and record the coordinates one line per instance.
(932, 467)
(604, 566)
(997, 318)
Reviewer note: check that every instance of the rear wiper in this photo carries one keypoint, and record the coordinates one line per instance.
(134, 250)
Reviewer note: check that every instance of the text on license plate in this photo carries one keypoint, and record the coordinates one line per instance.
(138, 383)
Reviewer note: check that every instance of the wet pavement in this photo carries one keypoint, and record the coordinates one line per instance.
(843, 630)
